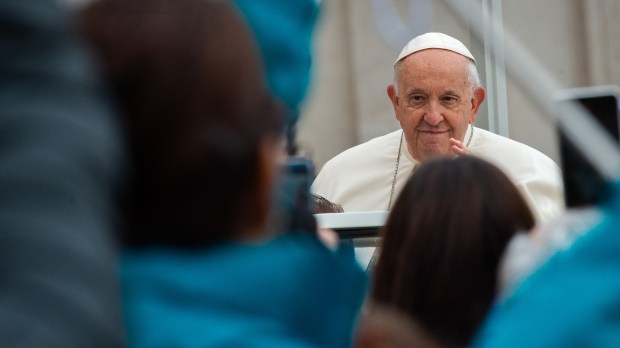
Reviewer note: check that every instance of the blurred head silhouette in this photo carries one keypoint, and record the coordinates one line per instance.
(442, 244)
(202, 127)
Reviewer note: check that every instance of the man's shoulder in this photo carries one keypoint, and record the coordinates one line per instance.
(376, 147)
(494, 144)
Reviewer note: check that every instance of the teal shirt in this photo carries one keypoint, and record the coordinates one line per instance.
(289, 292)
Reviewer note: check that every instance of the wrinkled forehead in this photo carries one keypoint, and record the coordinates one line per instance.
(434, 66)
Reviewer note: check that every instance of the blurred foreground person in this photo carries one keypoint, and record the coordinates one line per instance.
(200, 266)
(442, 244)
(386, 327)
(562, 284)
(59, 163)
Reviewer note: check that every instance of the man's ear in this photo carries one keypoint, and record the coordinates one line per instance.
(391, 91)
(476, 100)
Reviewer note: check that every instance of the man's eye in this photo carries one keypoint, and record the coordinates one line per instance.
(450, 100)
(417, 99)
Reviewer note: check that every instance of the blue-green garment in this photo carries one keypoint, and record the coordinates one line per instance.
(289, 292)
(283, 30)
(571, 301)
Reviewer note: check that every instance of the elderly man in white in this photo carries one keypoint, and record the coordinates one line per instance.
(436, 95)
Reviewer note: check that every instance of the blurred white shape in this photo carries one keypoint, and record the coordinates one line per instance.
(527, 252)
(395, 29)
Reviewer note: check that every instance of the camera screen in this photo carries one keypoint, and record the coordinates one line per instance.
(583, 185)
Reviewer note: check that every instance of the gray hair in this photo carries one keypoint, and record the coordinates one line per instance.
(472, 75)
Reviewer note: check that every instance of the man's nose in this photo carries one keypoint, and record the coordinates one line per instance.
(433, 114)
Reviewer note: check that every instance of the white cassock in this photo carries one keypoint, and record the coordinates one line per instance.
(360, 178)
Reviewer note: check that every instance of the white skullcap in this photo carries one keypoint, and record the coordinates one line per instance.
(434, 40)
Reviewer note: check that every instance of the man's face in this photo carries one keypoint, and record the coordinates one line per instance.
(434, 101)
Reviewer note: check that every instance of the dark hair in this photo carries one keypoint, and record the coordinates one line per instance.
(443, 241)
(323, 205)
(192, 94)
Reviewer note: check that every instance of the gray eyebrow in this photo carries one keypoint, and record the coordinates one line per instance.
(416, 91)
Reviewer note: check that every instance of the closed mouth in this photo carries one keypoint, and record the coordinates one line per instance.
(432, 131)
